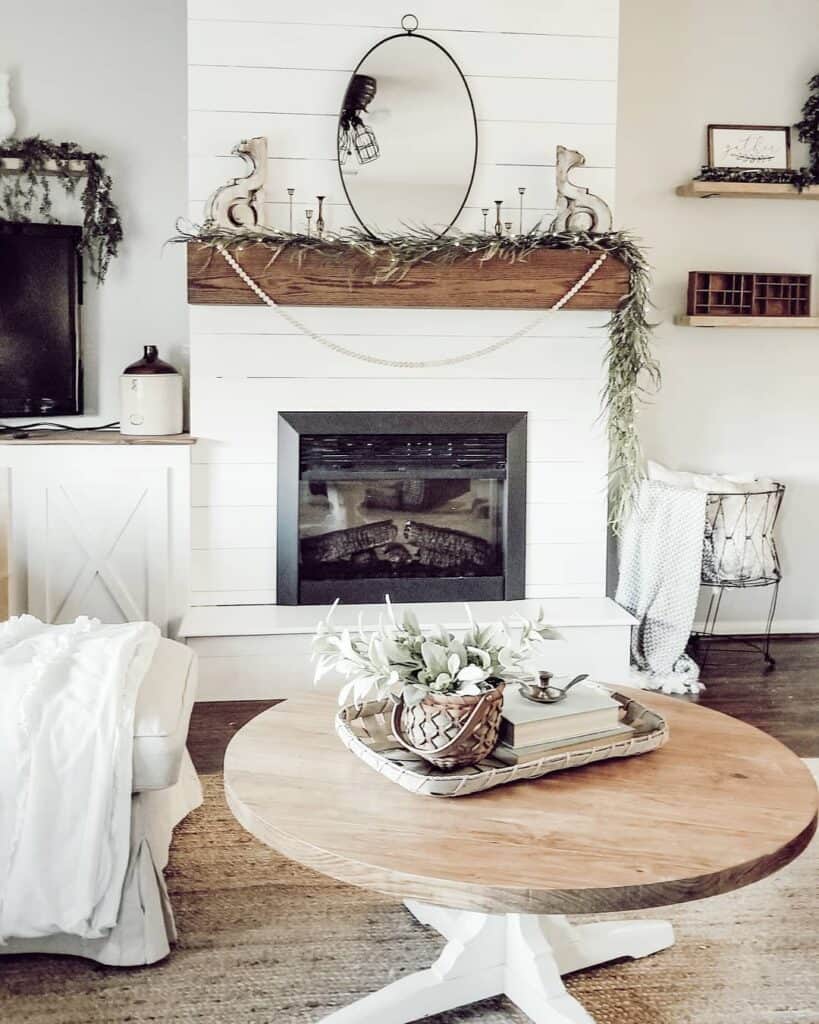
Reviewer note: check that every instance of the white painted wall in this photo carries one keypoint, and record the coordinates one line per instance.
(110, 75)
(741, 399)
(540, 75)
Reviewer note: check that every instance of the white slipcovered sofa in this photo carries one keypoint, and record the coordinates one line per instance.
(165, 790)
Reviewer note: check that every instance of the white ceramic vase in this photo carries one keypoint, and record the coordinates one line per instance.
(7, 121)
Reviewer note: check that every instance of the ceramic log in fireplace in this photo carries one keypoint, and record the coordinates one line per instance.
(420, 506)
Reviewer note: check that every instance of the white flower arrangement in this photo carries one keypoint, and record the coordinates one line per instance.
(402, 659)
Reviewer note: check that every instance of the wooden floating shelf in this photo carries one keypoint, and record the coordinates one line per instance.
(744, 190)
(747, 321)
(534, 283)
(14, 165)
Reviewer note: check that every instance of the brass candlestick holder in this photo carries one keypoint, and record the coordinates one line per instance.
(498, 221)
(320, 216)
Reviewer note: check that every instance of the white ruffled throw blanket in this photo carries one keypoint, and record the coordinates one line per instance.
(67, 701)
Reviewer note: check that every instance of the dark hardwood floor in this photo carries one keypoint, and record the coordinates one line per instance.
(783, 702)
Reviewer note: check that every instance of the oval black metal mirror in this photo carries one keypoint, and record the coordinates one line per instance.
(407, 136)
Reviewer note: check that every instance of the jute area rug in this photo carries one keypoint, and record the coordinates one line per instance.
(264, 941)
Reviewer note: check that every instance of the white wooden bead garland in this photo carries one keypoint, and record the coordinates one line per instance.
(406, 364)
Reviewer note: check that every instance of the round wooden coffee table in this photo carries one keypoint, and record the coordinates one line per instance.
(721, 805)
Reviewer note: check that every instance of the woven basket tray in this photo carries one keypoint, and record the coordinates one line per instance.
(366, 732)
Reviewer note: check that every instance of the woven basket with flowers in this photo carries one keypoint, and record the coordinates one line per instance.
(447, 689)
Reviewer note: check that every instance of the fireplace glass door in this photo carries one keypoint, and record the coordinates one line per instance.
(400, 527)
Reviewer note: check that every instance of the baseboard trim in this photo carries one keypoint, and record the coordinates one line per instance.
(781, 627)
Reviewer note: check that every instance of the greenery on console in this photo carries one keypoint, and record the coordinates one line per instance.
(631, 368)
(808, 128)
(400, 658)
(27, 193)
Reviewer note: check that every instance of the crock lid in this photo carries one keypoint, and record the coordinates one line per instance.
(150, 363)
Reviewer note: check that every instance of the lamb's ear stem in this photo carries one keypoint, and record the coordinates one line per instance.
(390, 610)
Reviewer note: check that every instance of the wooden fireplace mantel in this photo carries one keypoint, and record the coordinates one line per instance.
(534, 283)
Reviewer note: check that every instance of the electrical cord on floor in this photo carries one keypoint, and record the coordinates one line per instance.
(24, 430)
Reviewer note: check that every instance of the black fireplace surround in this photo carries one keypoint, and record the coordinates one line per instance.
(420, 506)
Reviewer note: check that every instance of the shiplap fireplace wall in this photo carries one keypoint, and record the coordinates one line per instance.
(541, 73)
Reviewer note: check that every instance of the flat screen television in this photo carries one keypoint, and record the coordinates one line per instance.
(40, 298)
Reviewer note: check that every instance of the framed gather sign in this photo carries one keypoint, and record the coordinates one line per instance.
(749, 146)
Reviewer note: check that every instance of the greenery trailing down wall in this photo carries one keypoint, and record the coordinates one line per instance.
(631, 369)
(26, 193)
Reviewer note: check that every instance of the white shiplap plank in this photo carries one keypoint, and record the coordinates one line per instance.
(206, 450)
(232, 409)
(262, 355)
(548, 482)
(568, 522)
(233, 484)
(539, 591)
(318, 92)
(249, 569)
(566, 441)
(254, 526)
(558, 17)
(449, 323)
(339, 216)
(547, 440)
(301, 46)
(565, 563)
(207, 598)
(247, 484)
(321, 177)
(234, 569)
(239, 527)
(217, 631)
(292, 135)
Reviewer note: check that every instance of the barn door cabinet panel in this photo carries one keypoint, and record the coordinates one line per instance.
(99, 530)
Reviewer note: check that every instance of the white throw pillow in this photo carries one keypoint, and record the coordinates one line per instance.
(713, 483)
(735, 547)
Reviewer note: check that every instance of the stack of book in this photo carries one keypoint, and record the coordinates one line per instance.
(530, 730)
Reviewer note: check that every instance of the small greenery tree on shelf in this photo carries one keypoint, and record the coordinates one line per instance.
(25, 192)
(808, 128)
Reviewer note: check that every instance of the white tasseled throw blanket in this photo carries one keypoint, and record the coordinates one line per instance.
(67, 699)
(660, 566)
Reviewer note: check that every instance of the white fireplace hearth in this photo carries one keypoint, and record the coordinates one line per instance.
(253, 652)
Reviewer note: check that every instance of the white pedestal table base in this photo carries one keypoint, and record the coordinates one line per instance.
(521, 956)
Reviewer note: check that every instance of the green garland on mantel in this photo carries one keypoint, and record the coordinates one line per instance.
(27, 192)
(631, 367)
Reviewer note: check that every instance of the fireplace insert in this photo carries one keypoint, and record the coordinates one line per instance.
(420, 506)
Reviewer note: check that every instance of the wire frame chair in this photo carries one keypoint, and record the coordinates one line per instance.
(739, 552)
